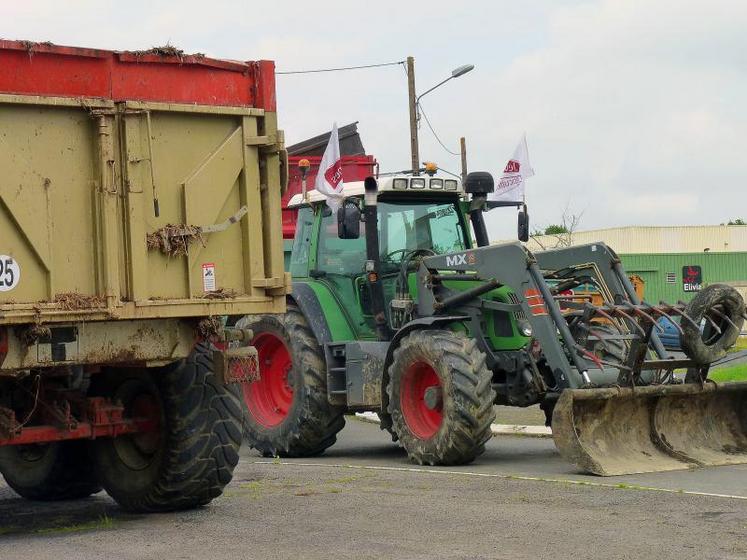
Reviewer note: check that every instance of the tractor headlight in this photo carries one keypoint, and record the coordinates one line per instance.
(525, 328)
(399, 184)
(417, 183)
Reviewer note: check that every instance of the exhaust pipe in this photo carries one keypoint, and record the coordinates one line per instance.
(615, 431)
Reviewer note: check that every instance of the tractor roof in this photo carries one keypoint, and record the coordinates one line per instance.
(398, 184)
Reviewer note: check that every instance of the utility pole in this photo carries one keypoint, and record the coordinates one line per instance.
(463, 152)
(414, 150)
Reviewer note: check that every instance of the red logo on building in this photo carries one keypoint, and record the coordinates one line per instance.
(692, 278)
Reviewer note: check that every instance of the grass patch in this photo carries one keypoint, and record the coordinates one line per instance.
(311, 491)
(103, 522)
(733, 373)
(739, 345)
(344, 480)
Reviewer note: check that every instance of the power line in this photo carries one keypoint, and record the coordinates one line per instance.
(434, 132)
(342, 68)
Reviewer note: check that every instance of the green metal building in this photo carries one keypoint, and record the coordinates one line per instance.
(679, 276)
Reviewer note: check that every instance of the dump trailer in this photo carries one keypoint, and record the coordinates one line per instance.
(140, 207)
(410, 316)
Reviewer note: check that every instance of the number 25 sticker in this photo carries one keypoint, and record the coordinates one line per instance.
(10, 273)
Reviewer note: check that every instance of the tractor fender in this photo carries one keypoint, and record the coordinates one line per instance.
(415, 324)
(306, 299)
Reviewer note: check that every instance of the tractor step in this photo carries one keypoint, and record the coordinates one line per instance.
(354, 373)
(337, 391)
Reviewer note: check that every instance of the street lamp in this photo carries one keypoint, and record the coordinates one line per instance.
(414, 100)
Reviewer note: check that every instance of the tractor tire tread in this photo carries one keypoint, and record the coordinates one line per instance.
(464, 435)
(312, 427)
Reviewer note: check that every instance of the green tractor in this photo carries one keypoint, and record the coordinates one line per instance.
(401, 307)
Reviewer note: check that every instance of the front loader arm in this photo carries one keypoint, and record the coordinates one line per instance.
(608, 265)
(514, 266)
(538, 282)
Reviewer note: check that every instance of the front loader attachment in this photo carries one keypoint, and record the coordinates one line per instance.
(620, 404)
(613, 431)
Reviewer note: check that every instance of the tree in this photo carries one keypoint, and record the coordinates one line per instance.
(558, 235)
(737, 222)
(555, 229)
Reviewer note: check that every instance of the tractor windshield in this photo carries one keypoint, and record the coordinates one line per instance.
(406, 226)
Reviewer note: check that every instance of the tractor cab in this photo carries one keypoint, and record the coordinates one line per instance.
(415, 213)
(417, 216)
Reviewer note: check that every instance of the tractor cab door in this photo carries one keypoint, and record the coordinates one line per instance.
(339, 265)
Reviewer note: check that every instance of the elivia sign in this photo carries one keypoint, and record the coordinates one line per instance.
(692, 278)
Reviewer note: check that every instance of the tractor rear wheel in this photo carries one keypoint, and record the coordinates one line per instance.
(288, 412)
(190, 457)
(440, 397)
(49, 471)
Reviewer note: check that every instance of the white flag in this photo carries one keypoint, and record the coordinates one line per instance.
(329, 177)
(511, 186)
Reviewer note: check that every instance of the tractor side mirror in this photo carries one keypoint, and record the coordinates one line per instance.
(349, 221)
(523, 225)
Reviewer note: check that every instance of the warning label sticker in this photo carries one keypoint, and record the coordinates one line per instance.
(208, 277)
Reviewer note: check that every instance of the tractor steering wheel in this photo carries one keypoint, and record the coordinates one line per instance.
(389, 256)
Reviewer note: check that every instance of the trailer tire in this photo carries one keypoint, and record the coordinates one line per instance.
(449, 425)
(288, 414)
(49, 472)
(694, 343)
(191, 458)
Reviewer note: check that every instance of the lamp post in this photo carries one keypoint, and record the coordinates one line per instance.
(415, 99)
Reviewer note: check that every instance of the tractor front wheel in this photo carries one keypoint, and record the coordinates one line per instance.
(288, 411)
(440, 397)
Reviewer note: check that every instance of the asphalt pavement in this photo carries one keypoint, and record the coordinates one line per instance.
(363, 499)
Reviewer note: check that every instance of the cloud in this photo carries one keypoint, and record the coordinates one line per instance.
(633, 109)
(632, 112)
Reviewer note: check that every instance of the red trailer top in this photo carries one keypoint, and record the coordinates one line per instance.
(354, 168)
(159, 74)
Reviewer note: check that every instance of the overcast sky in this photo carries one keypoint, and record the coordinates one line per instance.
(634, 110)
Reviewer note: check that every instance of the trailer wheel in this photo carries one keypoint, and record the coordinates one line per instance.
(49, 471)
(190, 458)
(288, 412)
(709, 345)
(440, 397)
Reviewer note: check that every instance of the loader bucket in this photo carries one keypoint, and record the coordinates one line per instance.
(614, 431)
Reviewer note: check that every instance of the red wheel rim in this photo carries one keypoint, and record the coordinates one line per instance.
(422, 421)
(269, 399)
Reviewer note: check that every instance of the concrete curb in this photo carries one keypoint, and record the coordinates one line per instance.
(519, 430)
(497, 429)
